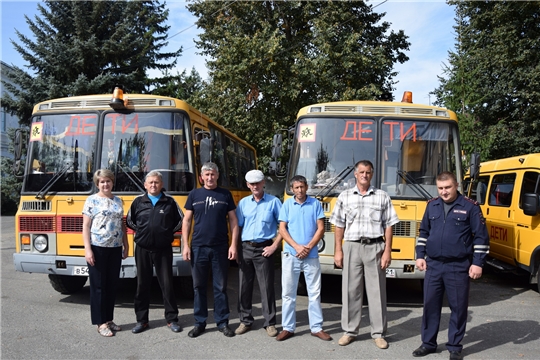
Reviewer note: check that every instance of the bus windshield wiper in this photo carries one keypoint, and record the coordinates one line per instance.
(331, 185)
(415, 186)
(68, 166)
(131, 176)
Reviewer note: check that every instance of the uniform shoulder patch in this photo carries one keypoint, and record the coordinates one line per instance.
(470, 200)
(432, 199)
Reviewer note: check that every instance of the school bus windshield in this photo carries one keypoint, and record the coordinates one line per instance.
(418, 149)
(63, 147)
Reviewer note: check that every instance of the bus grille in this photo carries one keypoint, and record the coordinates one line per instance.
(70, 224)
(36, 205)
(373, 109)
(406, 229)
(37, 224)
(328, 227)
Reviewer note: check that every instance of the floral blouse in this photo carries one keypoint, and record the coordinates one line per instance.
(106, 215)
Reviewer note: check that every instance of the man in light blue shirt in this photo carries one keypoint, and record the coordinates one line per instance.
(258, 218)
(302, 227)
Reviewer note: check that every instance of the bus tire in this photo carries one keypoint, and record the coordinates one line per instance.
(67, 284)
(302, 286)
(185, 285)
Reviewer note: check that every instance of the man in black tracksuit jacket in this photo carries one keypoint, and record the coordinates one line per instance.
(155, 217)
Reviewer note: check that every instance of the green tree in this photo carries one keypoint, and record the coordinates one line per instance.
(493, 77)
(87, 47)
(267, 59)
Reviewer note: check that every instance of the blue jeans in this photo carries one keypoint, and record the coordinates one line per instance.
(204, 258)
(291, 268)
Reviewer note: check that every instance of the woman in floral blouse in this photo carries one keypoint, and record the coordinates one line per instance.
(105, 245)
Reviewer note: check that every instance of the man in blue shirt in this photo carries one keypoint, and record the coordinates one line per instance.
(302, 227)
(258, 218)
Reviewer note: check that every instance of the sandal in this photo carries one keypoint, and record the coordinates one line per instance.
(113, 326)
(104, 330)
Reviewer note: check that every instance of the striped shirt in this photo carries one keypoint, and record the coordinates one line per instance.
(364, 215)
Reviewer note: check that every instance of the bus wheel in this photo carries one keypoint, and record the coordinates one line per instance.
(185, 285)
(67, 284)
(302, 287)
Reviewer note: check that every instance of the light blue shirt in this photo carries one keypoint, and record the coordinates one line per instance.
(301, 222)
(258, 220)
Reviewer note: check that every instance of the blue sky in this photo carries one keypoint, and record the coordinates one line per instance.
(429, 25)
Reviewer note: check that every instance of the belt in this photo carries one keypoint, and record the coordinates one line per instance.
(259, 243)
(366, 240)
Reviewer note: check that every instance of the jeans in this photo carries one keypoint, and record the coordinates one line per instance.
(291, 268)
(204, 259)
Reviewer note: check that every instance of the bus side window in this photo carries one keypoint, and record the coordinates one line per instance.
(502, 188)
(531, 184)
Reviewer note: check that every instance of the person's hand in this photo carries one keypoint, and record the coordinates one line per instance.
(125, 252)
(232, 253)
(338, 259)
(386, 260)
(269, 250)
(89, 256)
(302, 251)
(186, 253)
(421, 264)
(475, 272)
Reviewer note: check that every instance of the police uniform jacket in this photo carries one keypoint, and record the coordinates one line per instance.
(462, 233)
(154, 226)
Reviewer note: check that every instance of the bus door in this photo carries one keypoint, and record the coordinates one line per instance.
(527, 227)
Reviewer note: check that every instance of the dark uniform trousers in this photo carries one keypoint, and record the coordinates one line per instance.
(252, 263)
(145, 261)
(452, 277)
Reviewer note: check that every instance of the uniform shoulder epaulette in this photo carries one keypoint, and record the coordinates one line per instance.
(432, 199)
(470, 200)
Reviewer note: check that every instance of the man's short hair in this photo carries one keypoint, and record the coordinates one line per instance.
(209, 166)
(153, 173)
(298, 178)
(447, 175)
(365, 163)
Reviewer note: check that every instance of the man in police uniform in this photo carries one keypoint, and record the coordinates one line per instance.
(451, 248)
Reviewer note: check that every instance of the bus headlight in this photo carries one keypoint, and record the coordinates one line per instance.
(41, 243)
(320, 245)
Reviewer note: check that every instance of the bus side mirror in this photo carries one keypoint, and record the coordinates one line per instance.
(205, 150)
(276, 145)
(530, 204)
(475, 165)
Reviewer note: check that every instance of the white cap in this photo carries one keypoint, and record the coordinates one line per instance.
(254, 176)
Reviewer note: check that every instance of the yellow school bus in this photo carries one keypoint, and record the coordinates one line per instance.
(409, 145)
(70, 138)
(508, 191)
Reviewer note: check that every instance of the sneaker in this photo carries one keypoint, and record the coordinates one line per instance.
(242, 329)
(381, 343)
(271, 330)
(345, 340)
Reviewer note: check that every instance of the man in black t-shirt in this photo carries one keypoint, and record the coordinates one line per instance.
(211, 208)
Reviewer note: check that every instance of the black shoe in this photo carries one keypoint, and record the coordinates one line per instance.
(422, 351)
(140, 327)
(196, 331)
(455, 355)
(226, 330)
(174, 326)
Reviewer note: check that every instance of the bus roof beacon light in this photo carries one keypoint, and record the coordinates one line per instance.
(118, 102)
(407, 97)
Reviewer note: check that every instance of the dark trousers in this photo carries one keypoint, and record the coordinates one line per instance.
(452, 277)
(104, 282)
(146, 260)
(252, 263)
(204, 259)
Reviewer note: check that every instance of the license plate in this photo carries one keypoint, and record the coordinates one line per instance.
(390, 273)
(82, 270)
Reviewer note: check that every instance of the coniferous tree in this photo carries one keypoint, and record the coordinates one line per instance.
(493, 78)
(87, 47)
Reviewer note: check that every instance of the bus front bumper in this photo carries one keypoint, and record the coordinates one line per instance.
(399, 269)
(74, 265)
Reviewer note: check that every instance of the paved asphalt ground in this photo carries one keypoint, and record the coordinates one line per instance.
(39, 323)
